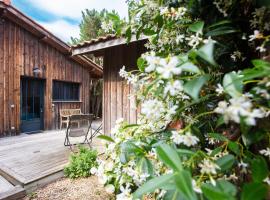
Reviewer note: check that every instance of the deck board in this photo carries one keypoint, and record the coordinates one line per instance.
(28, 158)
(5, 185)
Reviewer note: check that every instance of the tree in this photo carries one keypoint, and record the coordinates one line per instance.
(91, 25)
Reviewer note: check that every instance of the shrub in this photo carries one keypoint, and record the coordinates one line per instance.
(81, 163)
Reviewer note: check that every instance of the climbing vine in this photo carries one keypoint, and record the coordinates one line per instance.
(203, 92)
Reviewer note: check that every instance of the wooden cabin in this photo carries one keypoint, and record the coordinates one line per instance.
(116, 53)
(38, 75)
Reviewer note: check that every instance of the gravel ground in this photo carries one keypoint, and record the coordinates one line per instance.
(67, 189)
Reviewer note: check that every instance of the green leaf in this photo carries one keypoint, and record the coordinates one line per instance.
(218, 136)
(261, 69)
(169, 156)
(185, 152)
(233, 84)
(152, 185)
(130, 148)
(172, 195)
(194, 86)
(252, 191)
(184, 185)
(141, 63)
(105, 137)
(259, 169)
(128, 34)
(145, 166)
(190, 67)
(223, 190)
(234, 147)
(222, 31)
(113, 17)
(220, 23)
(149, 32)
(206, 52)
(197, 27)
(225, 162)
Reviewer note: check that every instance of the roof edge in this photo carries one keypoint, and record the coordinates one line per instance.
(19, 18)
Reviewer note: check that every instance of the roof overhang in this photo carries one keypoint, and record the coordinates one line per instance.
(102, 43)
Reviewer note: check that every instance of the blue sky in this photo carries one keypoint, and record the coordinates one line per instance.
(62, 17)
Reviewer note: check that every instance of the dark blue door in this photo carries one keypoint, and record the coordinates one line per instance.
(32, 105)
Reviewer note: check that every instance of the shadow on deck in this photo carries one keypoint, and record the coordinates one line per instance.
(28, 162)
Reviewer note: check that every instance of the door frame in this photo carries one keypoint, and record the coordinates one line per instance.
(43, 84)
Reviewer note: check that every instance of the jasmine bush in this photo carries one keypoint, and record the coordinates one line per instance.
(80, 163)
(203, 89)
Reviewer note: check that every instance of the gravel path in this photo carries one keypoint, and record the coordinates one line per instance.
(67, 189)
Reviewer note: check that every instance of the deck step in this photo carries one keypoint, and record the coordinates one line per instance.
(9, 191)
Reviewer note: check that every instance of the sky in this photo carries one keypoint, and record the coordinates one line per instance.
(62, 17)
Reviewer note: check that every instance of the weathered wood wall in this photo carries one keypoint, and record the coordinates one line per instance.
(20, 51)
(116, 101)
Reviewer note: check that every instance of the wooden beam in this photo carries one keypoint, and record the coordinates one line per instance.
(92, 48)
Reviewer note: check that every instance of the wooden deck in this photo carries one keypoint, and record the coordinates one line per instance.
(26, 160)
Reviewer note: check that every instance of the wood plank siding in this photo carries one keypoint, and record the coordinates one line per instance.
(20, 52)
(116, 101)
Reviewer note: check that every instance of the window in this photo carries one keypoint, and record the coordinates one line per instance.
(66, 91)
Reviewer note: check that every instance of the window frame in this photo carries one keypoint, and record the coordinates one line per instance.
(65, 85)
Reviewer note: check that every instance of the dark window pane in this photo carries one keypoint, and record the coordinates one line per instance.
(66, 91)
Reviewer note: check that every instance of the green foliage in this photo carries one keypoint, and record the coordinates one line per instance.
(80, 163)
(90, 26)
(203, 89)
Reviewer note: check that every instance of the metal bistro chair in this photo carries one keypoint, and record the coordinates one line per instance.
(75, 131)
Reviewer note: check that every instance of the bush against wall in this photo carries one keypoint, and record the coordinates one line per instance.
(203, 90)
(81, 163)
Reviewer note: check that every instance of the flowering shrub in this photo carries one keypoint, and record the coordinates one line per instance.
(203, 90)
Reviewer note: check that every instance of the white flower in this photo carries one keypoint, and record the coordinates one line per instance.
(232, 177)
(125, 193)
(152, 60)
(187, 139)
(219, 89)
(261, 49)
(176, 137)
(107, 26)
(243, 166)
(164, 10)
(109, 188)
(239, 107)
(196, 188)
(209, 39)
(208, 167)
(93, 170)
(180, 38)
(173, 87)
(265, 152)
(132, 79)
(190, 140)
(123, 73)
(194, 40)
(168, 69)
(256, 35)
(267, 180)
(109, 166)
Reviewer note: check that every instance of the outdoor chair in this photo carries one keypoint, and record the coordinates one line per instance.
(66, 113)
(83, 131)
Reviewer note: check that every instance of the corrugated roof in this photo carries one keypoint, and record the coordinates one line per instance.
(97, 40)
